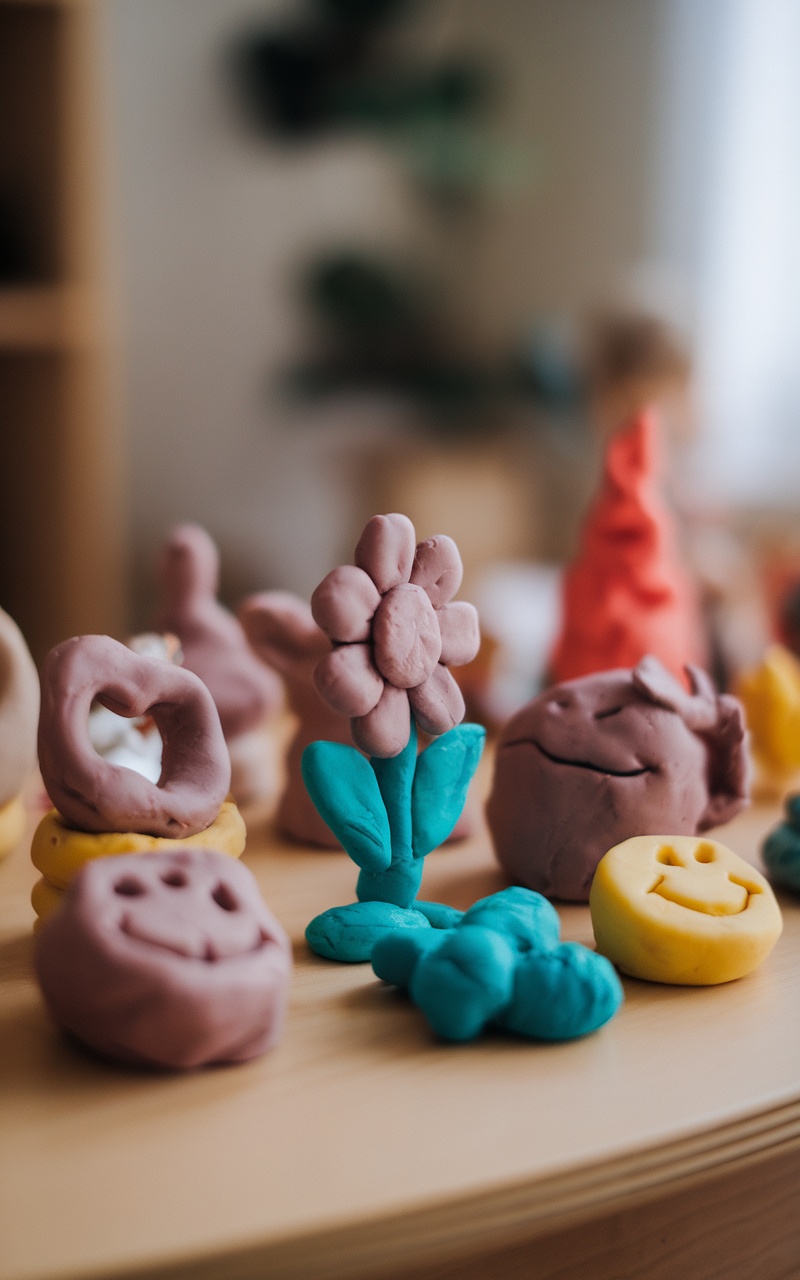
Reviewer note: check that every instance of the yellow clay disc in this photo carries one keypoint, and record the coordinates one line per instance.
(12, 825)
(682, 909)
(45, 899)
(59, 852)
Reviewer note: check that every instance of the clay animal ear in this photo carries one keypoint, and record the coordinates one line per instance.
(728, 764)
(697, 709)
(188, 564)
(658, 685)
(281, 630)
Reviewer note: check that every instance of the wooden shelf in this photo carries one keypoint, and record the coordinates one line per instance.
(62, 571)
(361, 1147)
(45, 318)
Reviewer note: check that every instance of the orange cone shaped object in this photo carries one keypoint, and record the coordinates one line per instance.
(626, 594)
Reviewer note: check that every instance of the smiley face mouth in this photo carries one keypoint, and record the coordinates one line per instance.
(580, 764)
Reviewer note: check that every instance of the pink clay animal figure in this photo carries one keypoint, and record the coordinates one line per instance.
(283, 633)
(215, 649)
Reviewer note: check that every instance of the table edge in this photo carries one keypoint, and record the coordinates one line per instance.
(488, 1217)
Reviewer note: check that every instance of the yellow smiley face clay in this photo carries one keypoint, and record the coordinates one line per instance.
(682, 909)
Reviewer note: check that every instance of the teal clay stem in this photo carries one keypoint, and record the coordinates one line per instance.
(401, 879)
(388, 814)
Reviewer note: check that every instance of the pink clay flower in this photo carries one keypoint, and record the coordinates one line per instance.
(395, 633)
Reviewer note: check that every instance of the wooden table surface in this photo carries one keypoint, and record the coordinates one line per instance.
(361, 1145)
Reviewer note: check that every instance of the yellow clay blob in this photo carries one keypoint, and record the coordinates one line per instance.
(59, 852)
(771, 697)
(682, 909)
(45, 899)
(12, 825)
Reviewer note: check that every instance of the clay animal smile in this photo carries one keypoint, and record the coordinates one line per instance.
(581, 764)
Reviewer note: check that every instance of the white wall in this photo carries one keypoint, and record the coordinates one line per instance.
(212, 222)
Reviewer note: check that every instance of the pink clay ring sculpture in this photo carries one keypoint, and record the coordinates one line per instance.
(94, 795)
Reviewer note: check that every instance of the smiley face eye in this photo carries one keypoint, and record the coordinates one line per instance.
(668, 856)
(175, 879)
(129, 887)
(704, 853)
(225, 898)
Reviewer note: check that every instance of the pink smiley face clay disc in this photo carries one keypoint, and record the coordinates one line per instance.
(169, 960)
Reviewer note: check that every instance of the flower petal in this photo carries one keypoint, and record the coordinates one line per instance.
(386, 550)
(385, 730)
(438, 703)
(348, 680)
(461, 636)
(343, 604)
(438, 569)
(405, 636)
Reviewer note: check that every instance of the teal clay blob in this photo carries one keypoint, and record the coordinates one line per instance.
(438, 914)
(502, 965)
(349, 933)
(781, 851)
(465, 982)
(388, 814)
(522, 915)
(563, 993)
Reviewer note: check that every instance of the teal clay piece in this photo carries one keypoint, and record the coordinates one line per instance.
(349, 933)
(388, 814)
(781, 851)
(502, 965)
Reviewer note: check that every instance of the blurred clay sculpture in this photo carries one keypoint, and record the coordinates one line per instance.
(170, 960)
(215, 648)
(283, 633)
(592, 762)
(19, 713)
(103, 808)
(781, 849)
(626, 594)
(770, 694)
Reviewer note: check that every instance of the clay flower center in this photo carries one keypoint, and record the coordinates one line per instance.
(406, 636)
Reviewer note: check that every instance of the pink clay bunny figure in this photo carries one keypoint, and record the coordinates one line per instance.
(215, 649)
(283, 633)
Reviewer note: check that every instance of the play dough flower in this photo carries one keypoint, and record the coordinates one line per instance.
(395, 631)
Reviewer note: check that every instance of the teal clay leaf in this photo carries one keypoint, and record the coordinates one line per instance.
(444, 772)
(345, 792)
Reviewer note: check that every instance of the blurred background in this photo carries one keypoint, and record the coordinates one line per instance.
(276, 266)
